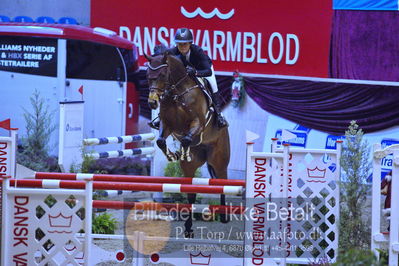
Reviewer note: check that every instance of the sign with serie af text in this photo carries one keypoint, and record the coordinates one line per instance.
(28, 55)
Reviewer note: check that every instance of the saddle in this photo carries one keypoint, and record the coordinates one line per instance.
(205, 87)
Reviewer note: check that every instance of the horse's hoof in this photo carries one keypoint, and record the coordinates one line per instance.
(189, 234)
(171, 156)
(172, 159)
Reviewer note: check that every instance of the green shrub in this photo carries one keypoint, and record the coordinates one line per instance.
(33, 150)
(355, 227)
(104, 224)
(354, 257)
(173, 169)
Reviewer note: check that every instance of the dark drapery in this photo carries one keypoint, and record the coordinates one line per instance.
(325, 106)
(365, 45)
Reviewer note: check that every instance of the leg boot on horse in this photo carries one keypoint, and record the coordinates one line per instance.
(185, 148)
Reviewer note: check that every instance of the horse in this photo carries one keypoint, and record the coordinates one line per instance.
(185, 114)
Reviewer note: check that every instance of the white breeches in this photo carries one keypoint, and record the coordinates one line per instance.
(212, 81)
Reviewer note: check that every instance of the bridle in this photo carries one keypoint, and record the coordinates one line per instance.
(170, 85)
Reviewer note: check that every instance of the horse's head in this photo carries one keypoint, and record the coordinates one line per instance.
(157, 76)
(159, 71)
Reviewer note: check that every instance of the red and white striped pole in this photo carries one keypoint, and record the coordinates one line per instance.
(155, 206)
(141, 179)
(151, 187)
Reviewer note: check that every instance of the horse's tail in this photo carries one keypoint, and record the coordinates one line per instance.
(211, 171)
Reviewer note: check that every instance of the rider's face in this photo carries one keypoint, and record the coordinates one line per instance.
(184, 47)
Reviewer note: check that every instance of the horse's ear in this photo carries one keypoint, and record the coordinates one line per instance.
(148, 57)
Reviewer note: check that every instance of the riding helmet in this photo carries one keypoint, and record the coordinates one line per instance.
(183, 35)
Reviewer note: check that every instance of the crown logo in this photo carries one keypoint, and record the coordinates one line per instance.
(79, 256)
(200, 259)
(60, 220)
(316, 173)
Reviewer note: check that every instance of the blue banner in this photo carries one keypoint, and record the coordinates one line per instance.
(331, 141)
(366, 4)
(298, 141)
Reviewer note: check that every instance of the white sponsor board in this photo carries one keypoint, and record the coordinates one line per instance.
(71, 134)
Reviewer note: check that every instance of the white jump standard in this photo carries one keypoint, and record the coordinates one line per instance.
(288, 173)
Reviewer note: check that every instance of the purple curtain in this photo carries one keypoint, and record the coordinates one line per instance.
(325, 106)
(365, 45)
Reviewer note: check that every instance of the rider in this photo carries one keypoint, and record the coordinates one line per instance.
(198, 64)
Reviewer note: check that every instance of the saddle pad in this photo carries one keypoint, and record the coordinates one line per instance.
(206, 90)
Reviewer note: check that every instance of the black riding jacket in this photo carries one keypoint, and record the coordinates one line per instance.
(198, 59)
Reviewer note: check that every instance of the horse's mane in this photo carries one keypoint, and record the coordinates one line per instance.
(167, 58)
(174, 62)
(159, 49)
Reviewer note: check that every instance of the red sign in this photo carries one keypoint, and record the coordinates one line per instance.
(288, 37)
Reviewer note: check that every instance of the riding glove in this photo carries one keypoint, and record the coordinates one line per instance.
(191, 71)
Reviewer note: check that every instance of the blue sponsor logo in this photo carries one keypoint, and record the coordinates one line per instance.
(302, 128)
(71, 128)
(331, 141)
(42, 19)
(388, 142)
(299, 141)
(387, 161)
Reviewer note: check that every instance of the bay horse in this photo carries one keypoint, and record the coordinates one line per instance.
(184, 114)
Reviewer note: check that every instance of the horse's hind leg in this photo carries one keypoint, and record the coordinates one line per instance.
(220, 174)
(189, 169)
(218, 161)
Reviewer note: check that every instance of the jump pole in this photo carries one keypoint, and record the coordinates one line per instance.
(117, 140)
(152, 187)
(123, 153)
(140, 179)
(155, 206)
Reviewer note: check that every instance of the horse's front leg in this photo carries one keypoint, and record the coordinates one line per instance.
(161, 143)
(195, 128)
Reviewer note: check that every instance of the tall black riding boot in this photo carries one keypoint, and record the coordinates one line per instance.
(221, 121)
